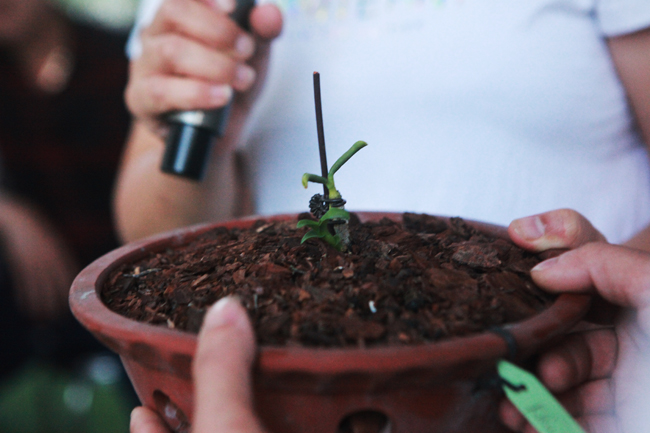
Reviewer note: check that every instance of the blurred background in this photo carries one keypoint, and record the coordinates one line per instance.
(62, 128)
(117, 14)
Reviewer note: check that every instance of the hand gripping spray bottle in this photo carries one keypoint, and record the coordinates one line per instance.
(191, 133)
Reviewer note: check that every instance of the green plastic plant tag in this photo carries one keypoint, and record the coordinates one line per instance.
(535, 402)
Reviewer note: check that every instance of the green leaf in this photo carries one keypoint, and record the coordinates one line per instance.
(308, 177)
(344, 158)
(322, 232)
(310, 235)
(336, 213)
(307, 223)
(334, 241)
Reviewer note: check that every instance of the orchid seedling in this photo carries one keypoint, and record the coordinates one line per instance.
(332, 224)
(333, 218)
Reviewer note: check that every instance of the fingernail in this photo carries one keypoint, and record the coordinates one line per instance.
(546, 264)
(245, 45)
(225, 5)
(530, 228)
(221, 94)
(244, 76)
(226, 312)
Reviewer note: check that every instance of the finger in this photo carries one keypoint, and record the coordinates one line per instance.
(591, 423)
(266, 21)
(580, 357)
(563, 228)
(174, 55)
(222, 371)
(619, 274)
(158, 94)
(587, 356)
(208, 25)
(589, 399)
(591, 404)
(511, 417)
(600, 423)
(144, 420)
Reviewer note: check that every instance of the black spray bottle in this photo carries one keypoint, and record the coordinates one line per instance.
(191, 133)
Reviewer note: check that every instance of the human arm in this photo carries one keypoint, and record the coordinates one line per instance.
(599, 372)
(223, 401)
(631, 56)
(193, 57)
(40, 264)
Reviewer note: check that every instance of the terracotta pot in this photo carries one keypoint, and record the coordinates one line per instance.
(438, 387)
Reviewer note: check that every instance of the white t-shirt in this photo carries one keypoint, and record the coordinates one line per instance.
(488, 110)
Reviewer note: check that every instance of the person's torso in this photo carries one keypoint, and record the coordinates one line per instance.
(487, 110)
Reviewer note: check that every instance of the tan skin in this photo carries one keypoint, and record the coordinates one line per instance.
(631, 54)
(167, 78)
(29, 29)
(599, 374)
(42, 266)
(223, 401)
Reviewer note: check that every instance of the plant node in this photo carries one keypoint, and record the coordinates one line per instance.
(319, 205)
(332, 224)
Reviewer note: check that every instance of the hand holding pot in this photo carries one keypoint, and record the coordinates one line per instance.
(222, 376)
(600, 374)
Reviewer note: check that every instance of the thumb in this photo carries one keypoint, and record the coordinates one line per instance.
(266, 21)
(561, 228)
(222, 371)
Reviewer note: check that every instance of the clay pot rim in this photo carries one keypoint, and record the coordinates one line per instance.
(121, 334)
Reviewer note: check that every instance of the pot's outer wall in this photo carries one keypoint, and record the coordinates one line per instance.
(445, 387)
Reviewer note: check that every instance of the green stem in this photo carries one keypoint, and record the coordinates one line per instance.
(344, 158)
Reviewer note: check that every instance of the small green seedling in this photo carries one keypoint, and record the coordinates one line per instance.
(333, 218)
(332, 224)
